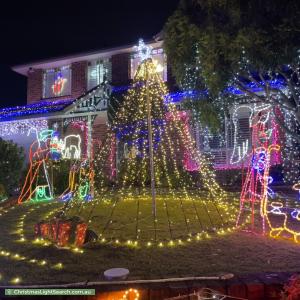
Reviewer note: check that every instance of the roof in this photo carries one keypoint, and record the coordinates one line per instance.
(48, 106)
(66, 60)
(44, 107)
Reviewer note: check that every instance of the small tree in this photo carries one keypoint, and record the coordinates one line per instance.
(11, 165)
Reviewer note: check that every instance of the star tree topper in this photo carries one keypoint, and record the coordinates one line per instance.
(144, 51)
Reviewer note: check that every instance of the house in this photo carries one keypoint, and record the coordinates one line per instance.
(70, 94)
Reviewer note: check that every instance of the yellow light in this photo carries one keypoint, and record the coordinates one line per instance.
(58, 266)
(43, 262)
(16, 280)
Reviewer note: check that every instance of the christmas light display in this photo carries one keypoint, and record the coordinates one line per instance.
(291, 151)
(274, 215)
(240, 150)
(42, 107)
(131, 292)
(256, 190)
(28, 260)
(144, 52)
(58, 86)
(296, 187)
(47, 146)
(71, 146)
(129, 182)
(21, 127)
(41, 193)
(38, 155)
(81, 182)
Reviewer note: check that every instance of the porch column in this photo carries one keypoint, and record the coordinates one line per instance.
(89, 137)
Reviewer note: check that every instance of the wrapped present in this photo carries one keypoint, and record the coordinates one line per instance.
(80, 234)
(54, 230)
(64, 230)
(45, 229)
(37, 229)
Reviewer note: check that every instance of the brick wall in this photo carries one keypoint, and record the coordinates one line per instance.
(34, 85)
(79, 78)
(120, 64)
(99, 128)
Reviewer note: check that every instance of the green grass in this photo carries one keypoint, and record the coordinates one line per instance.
(178, 217)
(238, 253)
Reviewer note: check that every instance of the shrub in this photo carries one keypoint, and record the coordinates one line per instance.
(11, 165)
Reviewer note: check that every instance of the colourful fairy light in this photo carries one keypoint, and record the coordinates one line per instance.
(42, 107)
(296, 187)
(37, 158)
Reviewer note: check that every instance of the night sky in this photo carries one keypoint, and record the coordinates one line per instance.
(56, 28)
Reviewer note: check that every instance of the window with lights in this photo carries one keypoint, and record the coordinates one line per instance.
(57, 82)
(98, 72)
(159, 59)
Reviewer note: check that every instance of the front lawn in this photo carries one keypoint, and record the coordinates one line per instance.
(37, 263)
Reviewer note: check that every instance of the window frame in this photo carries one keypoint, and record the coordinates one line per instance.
(46, 87)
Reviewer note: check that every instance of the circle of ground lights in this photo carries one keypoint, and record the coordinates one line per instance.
(184, 136)
(172, 242)
(16, 256)
(133, 291)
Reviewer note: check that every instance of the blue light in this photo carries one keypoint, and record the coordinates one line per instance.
(43, 107)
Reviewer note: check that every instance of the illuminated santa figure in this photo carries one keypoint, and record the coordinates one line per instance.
(58, 85)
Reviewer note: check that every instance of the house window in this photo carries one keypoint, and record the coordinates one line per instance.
(159, 59)
(57, 82)
(98, 72)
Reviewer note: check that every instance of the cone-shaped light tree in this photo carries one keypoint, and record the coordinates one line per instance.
(147, 108)
(145, 162)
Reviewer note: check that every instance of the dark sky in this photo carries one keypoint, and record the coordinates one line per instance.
(53, 28)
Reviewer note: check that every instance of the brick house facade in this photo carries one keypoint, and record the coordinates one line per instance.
(88, 71)
(117, 66)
